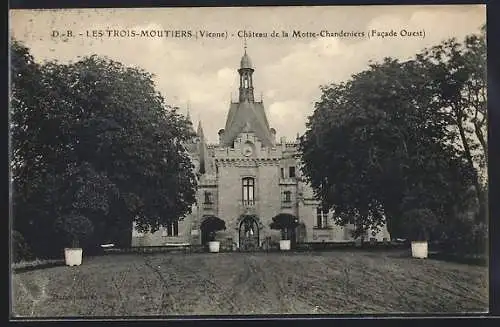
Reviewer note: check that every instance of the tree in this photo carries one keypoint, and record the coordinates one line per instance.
(376, 147)
(211, 225)
(74, 227)
(457, 75)
(418, 224)
(95, 136)
(285, 223)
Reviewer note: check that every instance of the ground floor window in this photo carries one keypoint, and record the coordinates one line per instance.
(172, 229)
(321, 218)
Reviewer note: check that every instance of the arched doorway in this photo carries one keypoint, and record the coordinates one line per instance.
(248, 234)
(209, 227)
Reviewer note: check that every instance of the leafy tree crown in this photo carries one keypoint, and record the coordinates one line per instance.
(284, 221)
(75, 227)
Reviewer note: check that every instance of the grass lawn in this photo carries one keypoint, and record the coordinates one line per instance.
(251, 283)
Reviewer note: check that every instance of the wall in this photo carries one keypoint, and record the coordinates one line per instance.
(226, 189)
(160, 238)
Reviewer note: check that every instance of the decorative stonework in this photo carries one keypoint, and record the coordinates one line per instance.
(238, 221)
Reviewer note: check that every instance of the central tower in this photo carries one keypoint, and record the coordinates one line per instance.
(246, 115)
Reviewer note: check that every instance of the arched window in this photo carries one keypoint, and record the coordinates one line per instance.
(287, 196)
(248, 190)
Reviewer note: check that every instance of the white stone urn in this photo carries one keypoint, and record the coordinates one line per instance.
(213, 246)
(73, 256)
(419, 249)
(285, 245)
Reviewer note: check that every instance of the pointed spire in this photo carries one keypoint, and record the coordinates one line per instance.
(200, 130)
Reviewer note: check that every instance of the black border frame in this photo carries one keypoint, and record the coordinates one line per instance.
(493, 29)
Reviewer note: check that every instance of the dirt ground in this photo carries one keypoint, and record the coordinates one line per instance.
(334, 282)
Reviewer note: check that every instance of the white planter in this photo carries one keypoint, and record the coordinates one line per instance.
(285, 245)
(73, 256)
(213, 246)
(419, 249)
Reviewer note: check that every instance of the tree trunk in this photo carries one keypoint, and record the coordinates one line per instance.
(468, 155)
(480, 136)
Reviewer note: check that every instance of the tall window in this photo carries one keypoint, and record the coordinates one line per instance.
(292, 172)
(321, 218)
(172, 229)
(287, 196)
(248, 191)
(282, 172)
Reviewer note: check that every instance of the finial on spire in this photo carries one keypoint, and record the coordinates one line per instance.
(245, 43)
(199, 131)
(261, 96)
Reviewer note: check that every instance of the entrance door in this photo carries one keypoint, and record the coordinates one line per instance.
(248, 234)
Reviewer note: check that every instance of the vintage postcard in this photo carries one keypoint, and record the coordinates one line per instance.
(173, 162)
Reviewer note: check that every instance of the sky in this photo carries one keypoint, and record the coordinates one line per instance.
(201, 72)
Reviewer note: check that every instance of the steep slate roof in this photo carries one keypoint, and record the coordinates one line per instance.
(252, 113)
(199, 131)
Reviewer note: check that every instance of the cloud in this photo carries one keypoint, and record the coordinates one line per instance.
(288, 116)
(204, 71)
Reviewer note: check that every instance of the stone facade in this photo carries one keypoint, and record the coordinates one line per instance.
(246, 179)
